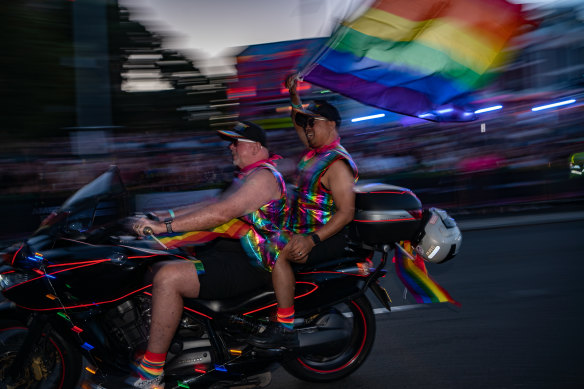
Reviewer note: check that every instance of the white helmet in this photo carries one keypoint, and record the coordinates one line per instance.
(440, 238)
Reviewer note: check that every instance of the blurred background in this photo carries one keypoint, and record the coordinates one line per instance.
(145, 84)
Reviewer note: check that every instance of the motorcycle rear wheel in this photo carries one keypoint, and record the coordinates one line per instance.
(53, 365)
(324, 367)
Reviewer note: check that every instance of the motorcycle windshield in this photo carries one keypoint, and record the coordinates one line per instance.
(102, 201)
(107, 185)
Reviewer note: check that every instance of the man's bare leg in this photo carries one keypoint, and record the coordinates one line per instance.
(284, 282)
(172, 282)
(281, 334)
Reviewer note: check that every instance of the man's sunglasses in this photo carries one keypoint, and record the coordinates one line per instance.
(305, 120)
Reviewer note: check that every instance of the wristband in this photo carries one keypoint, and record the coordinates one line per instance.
(297, 106)
(315, 239)
(171, 218)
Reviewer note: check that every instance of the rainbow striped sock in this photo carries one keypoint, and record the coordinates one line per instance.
(286, 317)
(151, 366)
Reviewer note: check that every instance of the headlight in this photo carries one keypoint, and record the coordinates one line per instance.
(10, 279)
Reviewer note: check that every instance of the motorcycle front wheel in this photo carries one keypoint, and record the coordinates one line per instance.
(330, 365)
(53, 364)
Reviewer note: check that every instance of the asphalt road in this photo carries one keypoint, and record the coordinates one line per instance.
(520, 324)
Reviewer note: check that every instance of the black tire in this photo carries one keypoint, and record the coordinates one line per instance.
(319, 367)
(59, 361)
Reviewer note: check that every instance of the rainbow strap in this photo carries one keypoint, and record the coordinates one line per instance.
(198, 266)
(233, 229)
(414, 276)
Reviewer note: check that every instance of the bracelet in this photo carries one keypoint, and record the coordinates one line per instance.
(298, 106)
(171, 218)
(315, 239)
(169, 226)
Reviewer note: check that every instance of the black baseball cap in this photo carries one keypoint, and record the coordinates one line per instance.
(318, 108)
(245, 130)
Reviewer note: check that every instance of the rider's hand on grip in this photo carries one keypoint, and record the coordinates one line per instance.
(136, 226)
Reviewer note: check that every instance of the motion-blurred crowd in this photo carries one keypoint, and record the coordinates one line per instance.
(527, 147)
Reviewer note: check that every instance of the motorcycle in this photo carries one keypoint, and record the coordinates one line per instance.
(77, 307)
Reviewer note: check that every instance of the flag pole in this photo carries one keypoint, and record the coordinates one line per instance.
(334, 38)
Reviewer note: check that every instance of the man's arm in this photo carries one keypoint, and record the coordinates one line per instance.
(164, 214)
(340, 180)
(258, 189)
(291, 83)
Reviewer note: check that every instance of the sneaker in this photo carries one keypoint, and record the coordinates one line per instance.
(275, 336)
(154, 383)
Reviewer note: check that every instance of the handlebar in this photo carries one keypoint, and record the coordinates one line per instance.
(147, 231)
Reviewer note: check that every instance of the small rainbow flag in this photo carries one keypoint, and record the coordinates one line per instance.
(414, 276)
(233, 229)
(421, 58)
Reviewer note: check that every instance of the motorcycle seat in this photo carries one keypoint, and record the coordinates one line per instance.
(328, 265)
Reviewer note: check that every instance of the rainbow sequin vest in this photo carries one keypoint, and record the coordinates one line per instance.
(267, 235)
(314, 203)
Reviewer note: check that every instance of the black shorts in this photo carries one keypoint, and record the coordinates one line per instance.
(329, 249)
(229, 272)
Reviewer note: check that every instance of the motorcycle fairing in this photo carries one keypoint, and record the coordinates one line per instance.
(330, 292)
(246, 305)
(81, 276)
(332, 287)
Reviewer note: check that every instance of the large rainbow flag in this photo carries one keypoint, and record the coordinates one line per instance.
(420, 58)
(415, 277)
